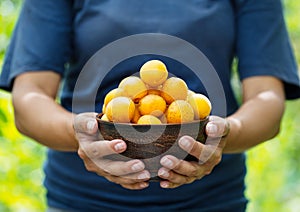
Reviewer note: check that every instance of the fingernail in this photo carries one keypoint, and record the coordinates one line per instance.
(119, 146)
(90, 125)
(137, 167)
(185, 143)
(163, 173)
(167, 162)
(144, 185)
(211, 128)
(144, 175)
(164, 184)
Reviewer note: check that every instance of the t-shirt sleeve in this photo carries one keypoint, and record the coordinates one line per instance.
(41, 40)
(263, 46)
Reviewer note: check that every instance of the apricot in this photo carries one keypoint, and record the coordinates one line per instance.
(189, 94)
(200, 104)
(113, 94)
(136, 115)
(163, 119)
(152, 104)
(120, 109)
(180, 111)
(154, 73)
(148, 119)
(174, 88)
(133, 87)
(104, 117)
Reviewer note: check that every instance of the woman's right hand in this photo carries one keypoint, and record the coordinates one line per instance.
(92, 150)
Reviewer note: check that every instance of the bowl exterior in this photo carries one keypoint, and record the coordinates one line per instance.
(151, 142)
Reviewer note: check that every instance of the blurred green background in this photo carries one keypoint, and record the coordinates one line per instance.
(273, 179)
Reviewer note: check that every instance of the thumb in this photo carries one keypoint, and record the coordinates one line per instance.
(85, 123)
(217, 128)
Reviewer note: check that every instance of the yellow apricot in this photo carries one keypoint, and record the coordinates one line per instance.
(154, 92)
(103, 108)
(189, 94)
(163, 119)
(104, 117)
(148, 119)
(180, 111)
(120, 109)
(174, 88)
(201, 105)
(154, 73)
(136, 115)
(133, 87)
(113, 94)
(152, 104)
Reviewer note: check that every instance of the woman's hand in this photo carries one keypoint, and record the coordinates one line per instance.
(176, 172)
(92, 150)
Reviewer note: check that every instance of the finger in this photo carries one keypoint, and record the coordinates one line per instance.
(191, 146)
(134, 181)
(136, 186)
(131, 178)
(120, 168)
(204, 153)
(85, 123)
(99, 149)
(174, 177)
(169, 185)
(217, 127)
(115, 168)
(182, 167)
(137, 177)
(210, 154)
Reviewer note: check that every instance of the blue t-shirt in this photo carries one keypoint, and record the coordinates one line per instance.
(63, 35)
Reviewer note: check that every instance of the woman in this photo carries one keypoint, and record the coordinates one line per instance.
(52, 42)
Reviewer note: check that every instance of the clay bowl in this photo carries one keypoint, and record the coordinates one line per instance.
(151, 142)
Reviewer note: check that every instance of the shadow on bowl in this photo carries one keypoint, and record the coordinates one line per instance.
(151, 142)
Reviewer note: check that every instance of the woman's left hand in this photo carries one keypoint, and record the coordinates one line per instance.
(177, 172)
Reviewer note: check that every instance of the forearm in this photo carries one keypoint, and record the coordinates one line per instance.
(257, 120)
(45, 121)
(38, 116)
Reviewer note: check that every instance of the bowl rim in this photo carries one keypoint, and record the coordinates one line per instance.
(149, 125)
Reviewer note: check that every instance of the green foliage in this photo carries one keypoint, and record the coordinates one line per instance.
(8, 15)
(273, 168)
(273, 179)
(292, 9)
(21, 161)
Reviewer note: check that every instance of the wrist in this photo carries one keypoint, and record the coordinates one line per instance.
(71, 132)
(234, 130)
(227, 129)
